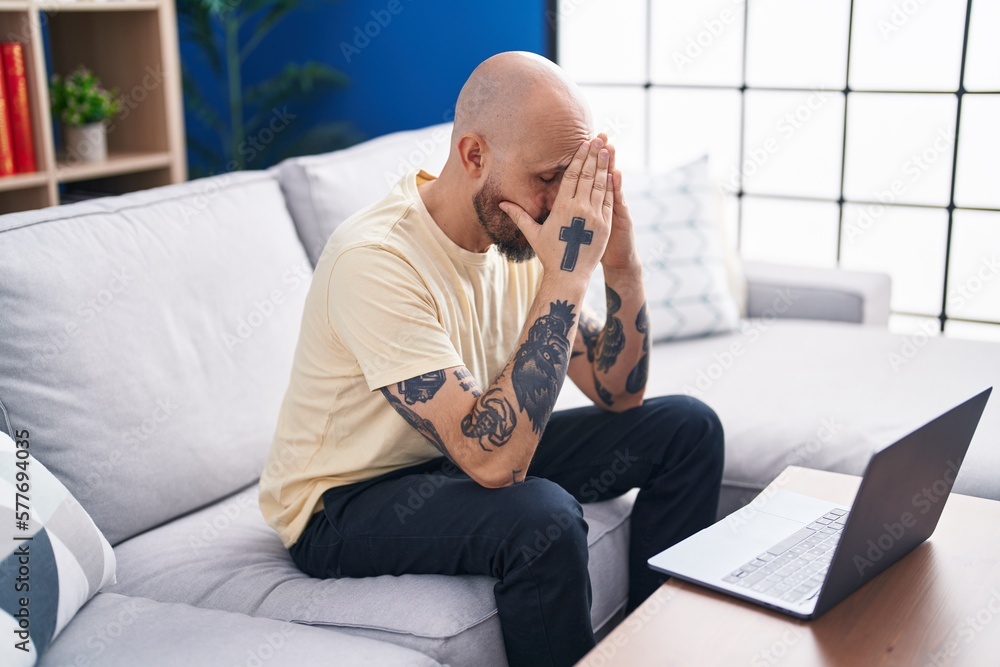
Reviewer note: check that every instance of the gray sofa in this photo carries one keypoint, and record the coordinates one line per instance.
(146, 342)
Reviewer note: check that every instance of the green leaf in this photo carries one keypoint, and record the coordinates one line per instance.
(295, 79)
(198, 23)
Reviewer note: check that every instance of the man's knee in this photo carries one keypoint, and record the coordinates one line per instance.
(705, 428)
(549, 521)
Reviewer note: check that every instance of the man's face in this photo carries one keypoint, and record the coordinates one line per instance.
(499, 226)
(530, 179)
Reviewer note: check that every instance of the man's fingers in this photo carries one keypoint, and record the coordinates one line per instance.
(610, 197)
(588, 174)
(600, 186)
(524, 222)
(567, 188)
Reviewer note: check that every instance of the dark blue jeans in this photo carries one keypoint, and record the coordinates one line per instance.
(531, 537)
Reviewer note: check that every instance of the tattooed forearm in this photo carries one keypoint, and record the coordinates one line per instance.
(637, 376)
(612, 338)
(423, 426)
(514, 479)
(603, 392)
(421, 388)
(540, 363)
(590, 329)
(467, 382)
(492, 421)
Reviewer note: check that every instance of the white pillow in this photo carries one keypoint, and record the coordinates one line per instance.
(685, 263)
(322, 191)
(47, 578)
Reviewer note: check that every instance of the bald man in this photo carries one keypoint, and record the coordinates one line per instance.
(417, 433)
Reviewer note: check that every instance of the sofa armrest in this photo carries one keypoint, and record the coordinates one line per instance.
(810, 293)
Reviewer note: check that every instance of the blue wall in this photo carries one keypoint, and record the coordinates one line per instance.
(406, 63)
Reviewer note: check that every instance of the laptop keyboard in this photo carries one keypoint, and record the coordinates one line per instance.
(794, 569)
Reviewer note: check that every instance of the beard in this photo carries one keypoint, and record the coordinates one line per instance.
(499, 226)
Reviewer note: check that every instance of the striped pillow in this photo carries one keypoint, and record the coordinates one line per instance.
(52, 556)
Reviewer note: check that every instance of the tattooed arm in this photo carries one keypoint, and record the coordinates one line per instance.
(610, 359)
(494, 440)
(610, 362)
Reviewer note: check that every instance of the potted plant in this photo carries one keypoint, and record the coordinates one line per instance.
(83, 105)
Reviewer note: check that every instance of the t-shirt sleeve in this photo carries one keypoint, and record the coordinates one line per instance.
(380, 308)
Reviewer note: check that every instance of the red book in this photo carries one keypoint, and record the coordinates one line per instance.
(19, 113)
(6, 150)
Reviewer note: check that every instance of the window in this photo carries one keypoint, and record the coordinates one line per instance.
(860, 134)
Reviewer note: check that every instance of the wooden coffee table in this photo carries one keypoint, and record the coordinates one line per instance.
(939, 605)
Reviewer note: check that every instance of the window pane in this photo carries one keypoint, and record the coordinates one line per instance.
(592, 30)
(687, 123)
(907, 243)
(791, 43)
(899, 148)
(977, 183)
(974, 267)
(907, 45)
(621, 112)
(911, 325)
(697, 42)
(982, 62)
(972, 330)
(789, 231)
(730, 212)
(792, 143)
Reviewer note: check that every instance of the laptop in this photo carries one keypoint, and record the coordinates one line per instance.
(802, 555)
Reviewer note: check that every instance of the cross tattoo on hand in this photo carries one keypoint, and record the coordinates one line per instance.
(574, 236)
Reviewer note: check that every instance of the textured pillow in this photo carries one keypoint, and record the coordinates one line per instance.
(54, 557)
(683, 252)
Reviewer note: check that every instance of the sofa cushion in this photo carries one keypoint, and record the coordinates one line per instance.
(324, 190)
(226, 557)
(146, 339)
(119, 631)
(826, 395)
(55, 561)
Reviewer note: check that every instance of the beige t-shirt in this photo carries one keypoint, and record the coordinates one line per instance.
(392, 297)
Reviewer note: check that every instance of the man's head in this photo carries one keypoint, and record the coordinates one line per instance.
(518, 122)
